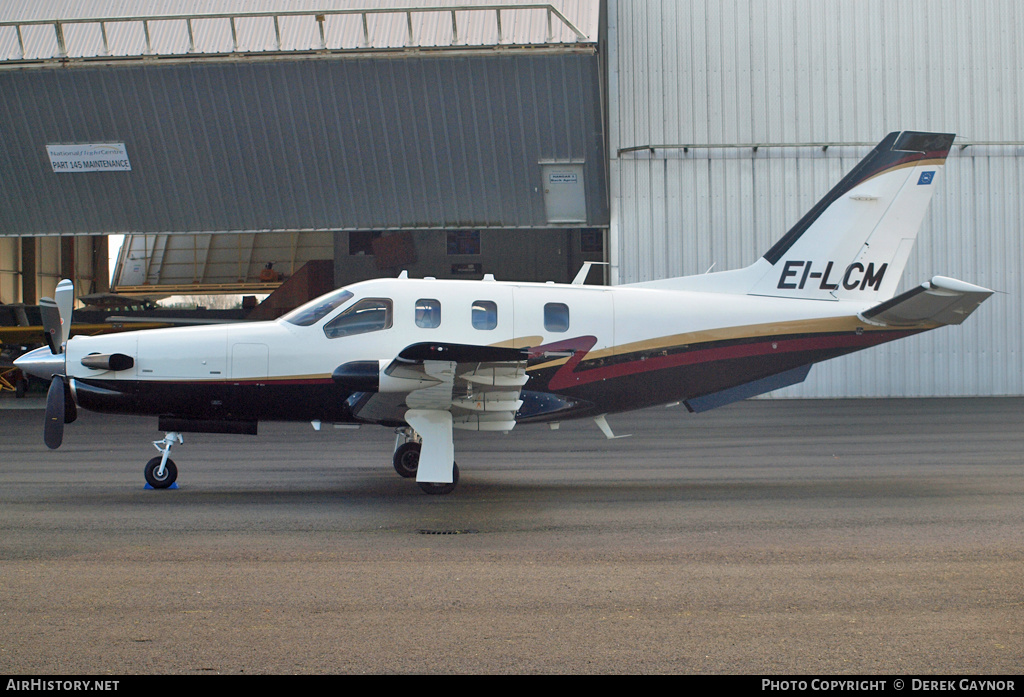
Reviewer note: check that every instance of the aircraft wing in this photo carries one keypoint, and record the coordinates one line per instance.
(939, 301)
(479, 385)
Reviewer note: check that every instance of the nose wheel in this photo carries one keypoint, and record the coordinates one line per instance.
(161, 472)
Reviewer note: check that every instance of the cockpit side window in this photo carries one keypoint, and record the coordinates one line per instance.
(369, 315)
(485, 314)
(315, 310)
(428, 313)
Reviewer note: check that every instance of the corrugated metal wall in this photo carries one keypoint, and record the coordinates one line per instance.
(713, 72)
(370, 143)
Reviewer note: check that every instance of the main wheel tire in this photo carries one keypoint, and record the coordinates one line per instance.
(170, 473)
(440, 489)
(407, 459)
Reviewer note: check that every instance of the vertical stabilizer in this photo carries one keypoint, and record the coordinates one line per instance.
(854, 243)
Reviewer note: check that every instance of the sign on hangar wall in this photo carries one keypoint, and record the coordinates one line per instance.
(89, 157)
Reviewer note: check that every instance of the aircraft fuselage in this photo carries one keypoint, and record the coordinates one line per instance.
(592, 349)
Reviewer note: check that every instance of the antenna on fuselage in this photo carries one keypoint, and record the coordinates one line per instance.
(582, 275)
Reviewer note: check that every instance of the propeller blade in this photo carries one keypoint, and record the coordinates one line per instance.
(53, 428)
(70, 408)
(51, 324)
(64, 296)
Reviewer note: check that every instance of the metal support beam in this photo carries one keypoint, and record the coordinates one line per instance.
(28, 271)
(67, 258)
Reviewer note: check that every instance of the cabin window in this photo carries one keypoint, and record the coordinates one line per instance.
(556, 317)
(428, 313)
(370, 315)
(485, 314)
(315, 310)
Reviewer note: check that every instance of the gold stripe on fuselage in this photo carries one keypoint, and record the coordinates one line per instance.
(829, 325)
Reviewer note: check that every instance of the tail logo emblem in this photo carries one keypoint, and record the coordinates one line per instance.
(926, 178)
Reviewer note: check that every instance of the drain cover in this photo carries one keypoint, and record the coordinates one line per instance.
(425, 531)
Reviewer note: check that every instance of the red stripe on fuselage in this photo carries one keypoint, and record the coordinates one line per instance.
(567, 376)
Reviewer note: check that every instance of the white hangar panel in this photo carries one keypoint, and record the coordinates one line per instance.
(724, 76)
(726, 71)
(964, 236)
(695, 209)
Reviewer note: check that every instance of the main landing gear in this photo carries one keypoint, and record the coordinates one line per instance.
(406, 460)
(161, 472)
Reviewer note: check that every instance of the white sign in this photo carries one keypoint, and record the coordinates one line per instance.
(562, 177)
(89, 157)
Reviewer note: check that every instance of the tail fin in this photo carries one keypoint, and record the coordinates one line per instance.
(854, 244)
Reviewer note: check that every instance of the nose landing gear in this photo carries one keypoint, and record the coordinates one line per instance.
(161, 472)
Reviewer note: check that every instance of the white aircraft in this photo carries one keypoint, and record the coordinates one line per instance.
(429, 356)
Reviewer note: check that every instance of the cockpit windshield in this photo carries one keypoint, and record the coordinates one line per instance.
(318, 308)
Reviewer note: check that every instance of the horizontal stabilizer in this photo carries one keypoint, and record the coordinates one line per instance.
(939, 301)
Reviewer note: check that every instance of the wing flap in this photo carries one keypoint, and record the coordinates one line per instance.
(479, 385)
(939, 301)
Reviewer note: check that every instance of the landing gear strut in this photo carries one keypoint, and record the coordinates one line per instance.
(161, 471)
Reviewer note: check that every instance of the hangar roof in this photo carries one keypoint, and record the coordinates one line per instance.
(108, 30)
